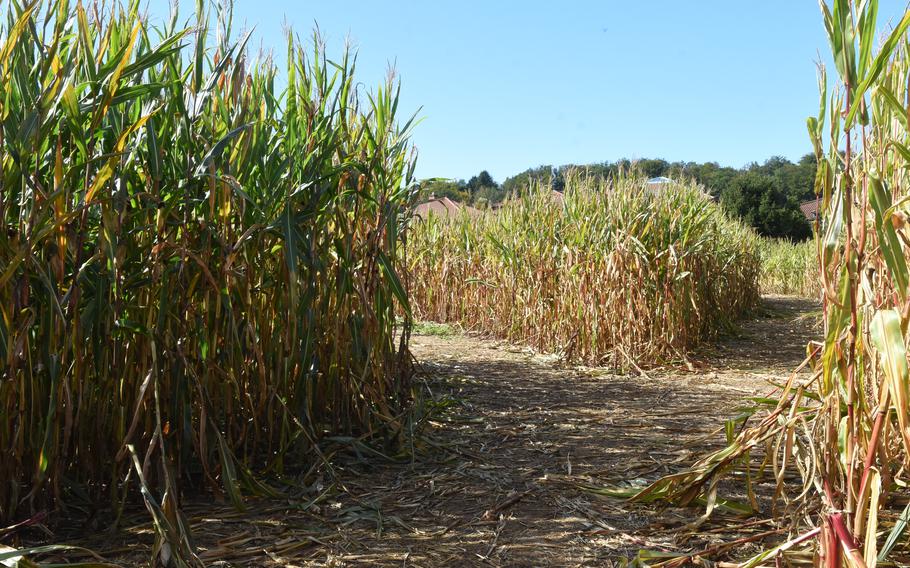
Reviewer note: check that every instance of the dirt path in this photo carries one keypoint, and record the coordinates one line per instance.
(513, 438)
(522, 433)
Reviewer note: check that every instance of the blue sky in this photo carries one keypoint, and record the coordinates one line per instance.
(507, 85)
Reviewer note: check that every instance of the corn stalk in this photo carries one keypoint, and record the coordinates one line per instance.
(609, 272)
(198, 271)
(844, 429)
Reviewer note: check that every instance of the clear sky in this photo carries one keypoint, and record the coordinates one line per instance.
(507, 85)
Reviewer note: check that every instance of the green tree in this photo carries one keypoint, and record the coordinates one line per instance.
(489, 195)
(483, 179)
(439, 188)
(652, 168)
(761, 202)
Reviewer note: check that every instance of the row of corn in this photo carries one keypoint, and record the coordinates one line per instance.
(199, 259)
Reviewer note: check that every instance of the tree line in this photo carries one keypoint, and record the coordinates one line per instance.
(765, 195)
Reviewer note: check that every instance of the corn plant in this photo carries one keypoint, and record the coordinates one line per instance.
(610, 273)
(844, 429)
(198, 271)
(789, 268)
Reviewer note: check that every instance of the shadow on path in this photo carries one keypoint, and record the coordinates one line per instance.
(522, 432)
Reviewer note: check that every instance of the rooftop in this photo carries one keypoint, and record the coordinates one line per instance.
(811, 208)
(444, 208)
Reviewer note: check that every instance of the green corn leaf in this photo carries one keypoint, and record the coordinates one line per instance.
(107, 171)
(868, 16)
(12, 37)
(877, 66)
(395, 283)
(888, 339)
(218, 148)
(903, 151)
(897, 109)
(897, 531)
(890, 244)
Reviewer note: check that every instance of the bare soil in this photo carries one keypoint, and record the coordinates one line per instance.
(500, 475)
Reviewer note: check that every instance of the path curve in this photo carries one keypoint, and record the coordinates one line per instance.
(523, 432)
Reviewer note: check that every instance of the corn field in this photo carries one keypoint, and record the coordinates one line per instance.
(198, 270)
(843, 430)
(610, 273)
(789, 268)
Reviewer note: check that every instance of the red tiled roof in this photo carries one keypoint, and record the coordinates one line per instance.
(444, 208)
(810, 208)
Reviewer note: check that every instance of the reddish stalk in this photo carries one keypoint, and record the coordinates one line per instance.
(846, 540)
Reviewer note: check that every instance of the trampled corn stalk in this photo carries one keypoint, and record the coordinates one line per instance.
(198, 271)
(846, 429)
(611, 271)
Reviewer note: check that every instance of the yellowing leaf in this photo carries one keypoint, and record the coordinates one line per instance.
(888, 338)
(106, 171)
